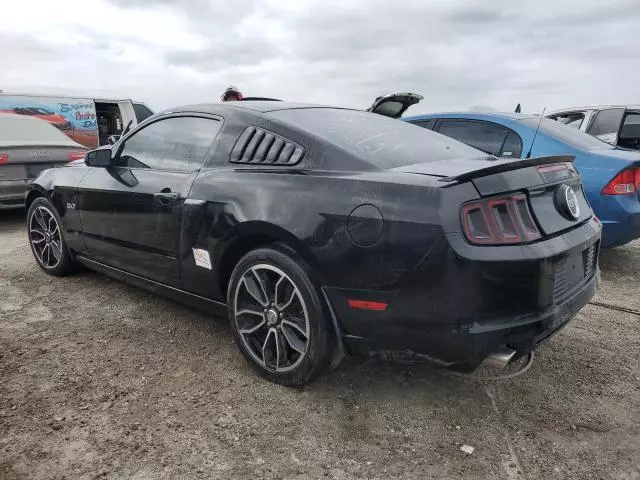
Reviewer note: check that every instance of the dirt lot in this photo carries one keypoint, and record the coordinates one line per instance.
(102, 380)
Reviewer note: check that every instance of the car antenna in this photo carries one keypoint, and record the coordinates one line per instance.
(518, 109)
(536, 134)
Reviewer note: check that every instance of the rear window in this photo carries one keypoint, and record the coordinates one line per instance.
(566, 134)
(481, 135)
(16, 128)
(382, 141)
(574, 119)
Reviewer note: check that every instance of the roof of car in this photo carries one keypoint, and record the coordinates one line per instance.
(593, 107)
(258, 106)
(509, 115)
(21, 118)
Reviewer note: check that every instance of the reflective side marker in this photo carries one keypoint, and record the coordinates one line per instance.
(365, 305)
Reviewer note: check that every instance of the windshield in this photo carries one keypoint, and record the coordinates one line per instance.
(566, 134)
(14, 128)
(382, 141)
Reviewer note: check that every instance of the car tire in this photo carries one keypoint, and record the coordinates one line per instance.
(277, 316)
(46, 239)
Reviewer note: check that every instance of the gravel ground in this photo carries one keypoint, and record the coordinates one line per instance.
(102, 380)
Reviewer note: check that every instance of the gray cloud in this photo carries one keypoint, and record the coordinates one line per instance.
(457, 54)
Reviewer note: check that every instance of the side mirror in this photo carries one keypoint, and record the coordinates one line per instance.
(113, 139)
(98, 158)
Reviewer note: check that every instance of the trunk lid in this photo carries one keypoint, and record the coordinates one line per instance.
(26, 162)
(544, 180)
(463, 169)
(394, 105)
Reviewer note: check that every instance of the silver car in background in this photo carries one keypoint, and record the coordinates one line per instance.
(28, 146)
(615, 124)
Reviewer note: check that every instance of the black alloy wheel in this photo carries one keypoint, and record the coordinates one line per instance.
(278, 318)
(46, 238)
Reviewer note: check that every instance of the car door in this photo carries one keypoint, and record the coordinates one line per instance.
(486, 136)
(127, 113)
(394, 105)
(131, 212)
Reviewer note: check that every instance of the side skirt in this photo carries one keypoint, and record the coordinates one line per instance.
(202, 303)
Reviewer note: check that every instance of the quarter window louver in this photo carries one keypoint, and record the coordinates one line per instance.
(257, 146)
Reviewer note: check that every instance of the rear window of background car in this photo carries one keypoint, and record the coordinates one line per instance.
(570, 119)
(485, 136)
(382, 141)
(16, 128)
(569, 135)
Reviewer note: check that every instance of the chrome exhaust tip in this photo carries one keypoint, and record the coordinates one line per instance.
(499, 359)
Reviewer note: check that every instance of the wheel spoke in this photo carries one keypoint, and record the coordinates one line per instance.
(296, 326)
(264, 345)
(247, 331)
(45, 259)
(262, 287)
(276, 294)
(56, 250)
(288, 302)
(49, 224)
(292, 339)
(280, 351)
(55, 229)
(254, 290)
(249, 311)
(36, 241)
(40, 219)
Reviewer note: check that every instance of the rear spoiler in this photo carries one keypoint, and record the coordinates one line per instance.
(506, 165)
(261, 99)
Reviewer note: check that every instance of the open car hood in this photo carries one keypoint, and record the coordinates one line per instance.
(394, 105)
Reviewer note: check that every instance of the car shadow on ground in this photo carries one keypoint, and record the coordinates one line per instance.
(354, 373)
(12, 215)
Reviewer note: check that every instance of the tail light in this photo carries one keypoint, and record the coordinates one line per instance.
(625, 182)
(499, 221)
(4, 158)
(71, 156)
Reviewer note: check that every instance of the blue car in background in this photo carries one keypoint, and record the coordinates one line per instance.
(611, 175)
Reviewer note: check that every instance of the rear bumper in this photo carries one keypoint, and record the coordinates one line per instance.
(620, 217)
(458, 310)
(12, 192)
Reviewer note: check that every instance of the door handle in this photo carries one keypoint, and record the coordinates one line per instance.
(166, 198)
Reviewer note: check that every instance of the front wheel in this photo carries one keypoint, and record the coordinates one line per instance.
(277, 317)
(46, 239)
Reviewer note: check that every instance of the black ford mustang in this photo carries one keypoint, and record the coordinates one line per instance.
(325, 231)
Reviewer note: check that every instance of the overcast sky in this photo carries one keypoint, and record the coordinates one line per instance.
(459, 54)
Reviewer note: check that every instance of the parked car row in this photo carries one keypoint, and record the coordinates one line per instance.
(326, 231)
(38, 132)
